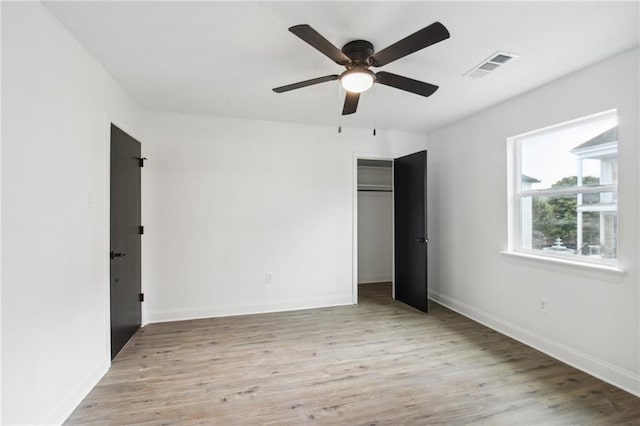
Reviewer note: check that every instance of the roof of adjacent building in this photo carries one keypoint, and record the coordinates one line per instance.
(530, 179)
(607, 136)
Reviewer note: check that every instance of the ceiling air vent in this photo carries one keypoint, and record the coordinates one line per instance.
(492, 63)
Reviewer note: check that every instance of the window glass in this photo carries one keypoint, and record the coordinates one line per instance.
(550, 156)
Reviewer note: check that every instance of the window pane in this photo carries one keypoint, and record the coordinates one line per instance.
(599, 231)
(599, 170)
(570, 225)
(583, 155)
(552, 218)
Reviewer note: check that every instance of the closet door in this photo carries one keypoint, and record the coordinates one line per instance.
(125, 238)
(410, 229)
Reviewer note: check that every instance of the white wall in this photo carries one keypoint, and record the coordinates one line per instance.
(229, 200)
(593, 319)
(1, 133)
(375, 226)
(56, 101)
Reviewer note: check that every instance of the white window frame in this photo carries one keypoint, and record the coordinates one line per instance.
(516, 194)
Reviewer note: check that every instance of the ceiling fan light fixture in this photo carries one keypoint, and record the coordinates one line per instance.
(357, 80)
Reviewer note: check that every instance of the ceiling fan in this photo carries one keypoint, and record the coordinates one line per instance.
(358, 56)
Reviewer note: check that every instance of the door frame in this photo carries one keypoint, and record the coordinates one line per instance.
(354, 244)
(109, 119)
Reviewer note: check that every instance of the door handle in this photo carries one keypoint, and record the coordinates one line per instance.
(422, 240)
(117, 254)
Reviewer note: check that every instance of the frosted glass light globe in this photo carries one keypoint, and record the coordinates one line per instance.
(357, 80)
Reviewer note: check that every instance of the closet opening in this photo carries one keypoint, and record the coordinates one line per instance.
(374, 230)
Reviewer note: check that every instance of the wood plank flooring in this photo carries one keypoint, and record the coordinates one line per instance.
(376, 363)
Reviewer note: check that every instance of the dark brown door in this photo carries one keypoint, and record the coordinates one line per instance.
(125, 239)
(410, 229)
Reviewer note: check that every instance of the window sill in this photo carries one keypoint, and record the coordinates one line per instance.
(583, 267)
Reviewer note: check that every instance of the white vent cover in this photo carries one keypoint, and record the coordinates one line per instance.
(490, 64)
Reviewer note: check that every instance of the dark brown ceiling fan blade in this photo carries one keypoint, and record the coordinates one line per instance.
(305, 83)
(312, 37)
(405, 83)
(427, 36)
(350, 103)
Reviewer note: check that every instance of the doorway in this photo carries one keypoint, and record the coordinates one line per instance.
(375, 228)
(390, 244)
(125, 239)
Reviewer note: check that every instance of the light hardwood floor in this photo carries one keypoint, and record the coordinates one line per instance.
(378, 362)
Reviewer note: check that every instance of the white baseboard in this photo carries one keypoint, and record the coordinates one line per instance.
(197, 312)
(374, 279)
(621, 378)
(72, 399)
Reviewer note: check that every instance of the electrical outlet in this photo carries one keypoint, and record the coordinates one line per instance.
(542, 305)
(267, 278)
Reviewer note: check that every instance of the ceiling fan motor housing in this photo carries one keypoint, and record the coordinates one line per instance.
(358, 51)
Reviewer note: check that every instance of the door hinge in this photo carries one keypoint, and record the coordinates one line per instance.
(141, 161)
(141, 230)
(141, 297)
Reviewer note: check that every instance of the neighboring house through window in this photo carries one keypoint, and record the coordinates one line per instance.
(602, 152)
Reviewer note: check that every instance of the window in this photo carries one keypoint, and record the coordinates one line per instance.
(564, 190)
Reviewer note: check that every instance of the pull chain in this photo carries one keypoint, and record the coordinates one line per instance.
(374, 103)
(338, 110)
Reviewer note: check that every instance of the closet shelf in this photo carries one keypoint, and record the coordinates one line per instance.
(374, 188)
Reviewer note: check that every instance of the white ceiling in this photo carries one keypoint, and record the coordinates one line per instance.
(223, 58)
